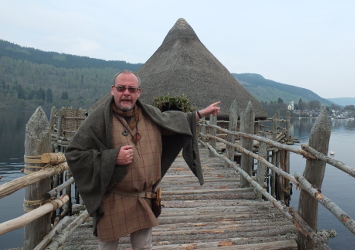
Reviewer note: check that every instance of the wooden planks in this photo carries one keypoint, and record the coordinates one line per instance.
(218, 214)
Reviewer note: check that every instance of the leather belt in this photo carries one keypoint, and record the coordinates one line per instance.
(144, 194)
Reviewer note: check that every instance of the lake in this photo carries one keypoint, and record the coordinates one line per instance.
(336, 185)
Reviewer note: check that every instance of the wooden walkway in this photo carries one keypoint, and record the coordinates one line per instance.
(218, 214)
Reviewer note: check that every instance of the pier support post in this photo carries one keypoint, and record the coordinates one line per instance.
(262, 168)
(247, 126)
(37, 142)
(232, 126)
(213, 131)
(314, 173)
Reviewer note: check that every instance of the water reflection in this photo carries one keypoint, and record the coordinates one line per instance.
(12, 138)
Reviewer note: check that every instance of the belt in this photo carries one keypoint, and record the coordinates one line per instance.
(144, 194)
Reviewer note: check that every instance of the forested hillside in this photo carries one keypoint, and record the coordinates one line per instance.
(266, 90)
(30, 77)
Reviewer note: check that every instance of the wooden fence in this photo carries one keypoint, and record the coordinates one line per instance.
(47, 183)
(254, 165)
(261, 156)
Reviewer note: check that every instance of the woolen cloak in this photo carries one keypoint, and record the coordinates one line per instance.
(92, 158)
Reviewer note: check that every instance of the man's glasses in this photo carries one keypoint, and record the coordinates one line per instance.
(123, 89)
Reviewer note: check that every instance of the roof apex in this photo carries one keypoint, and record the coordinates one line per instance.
(180, 30)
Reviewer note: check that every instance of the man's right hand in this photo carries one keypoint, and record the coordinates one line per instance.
(125, 155)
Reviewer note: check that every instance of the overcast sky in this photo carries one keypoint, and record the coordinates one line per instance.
(308, 44)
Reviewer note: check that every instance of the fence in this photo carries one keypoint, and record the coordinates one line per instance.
(260, 156)
(47, 177)
(310, 182)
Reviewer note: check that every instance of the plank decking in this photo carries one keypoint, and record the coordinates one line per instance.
(218, 214)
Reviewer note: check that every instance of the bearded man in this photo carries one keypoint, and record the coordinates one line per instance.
(121, 151)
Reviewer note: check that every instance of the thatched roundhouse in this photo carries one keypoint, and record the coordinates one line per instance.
(183, 65)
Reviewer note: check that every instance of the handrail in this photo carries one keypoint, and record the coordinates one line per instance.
(255, 156)
(345, 219)
(286, 211)
(268, 141)
(338, 164)
(298, 179)
(24, 181)
(25, 219)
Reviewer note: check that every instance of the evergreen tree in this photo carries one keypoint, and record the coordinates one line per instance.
(49, 95)
(41, 94)
(31, 95)
(64, 96)
(20, 92)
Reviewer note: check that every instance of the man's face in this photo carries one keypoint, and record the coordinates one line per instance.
(124, 99)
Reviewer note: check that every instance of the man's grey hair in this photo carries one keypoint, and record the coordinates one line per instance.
(127, 72)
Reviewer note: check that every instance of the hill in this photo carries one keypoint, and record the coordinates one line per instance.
(59, 60)
(30, 77)
(343, 101)
(266, 90)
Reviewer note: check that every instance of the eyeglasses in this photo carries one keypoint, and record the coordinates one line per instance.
(123, 89)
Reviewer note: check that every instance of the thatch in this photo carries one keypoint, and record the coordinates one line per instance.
(183, 65)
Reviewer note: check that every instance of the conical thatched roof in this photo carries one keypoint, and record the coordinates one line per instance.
(183, 65)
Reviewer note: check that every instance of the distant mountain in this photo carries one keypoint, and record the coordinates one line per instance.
(60, 60)
(266, 90)
(30, 77)
(343, 101)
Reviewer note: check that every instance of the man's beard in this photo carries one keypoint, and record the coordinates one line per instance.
(125, 109)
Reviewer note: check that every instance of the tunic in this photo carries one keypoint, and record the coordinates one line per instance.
(126, 214)
(91, 155)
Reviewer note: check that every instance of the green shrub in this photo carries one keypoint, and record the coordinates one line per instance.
(167, 102)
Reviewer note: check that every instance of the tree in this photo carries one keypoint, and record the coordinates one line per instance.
(64, 96)
(302, 105)
(280, 100)
(41, 94)
(49, 95)
(314, 105)
(335, 107)
(20, 92)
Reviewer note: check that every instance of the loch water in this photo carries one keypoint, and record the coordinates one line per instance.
(336, 185)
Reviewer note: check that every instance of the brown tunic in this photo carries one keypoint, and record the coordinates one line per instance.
(127, 214)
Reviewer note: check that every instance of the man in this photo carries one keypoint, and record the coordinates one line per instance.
(121, 151)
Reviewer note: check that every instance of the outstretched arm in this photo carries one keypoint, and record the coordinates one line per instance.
(210, 110)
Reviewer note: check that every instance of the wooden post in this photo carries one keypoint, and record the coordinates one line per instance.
(275, 125)
(285, 159)
(262, 169)
(314, 173)
(37, 142)
(247, 126)
(232, 126)
(52, 121)
(52, 118)
(203, 128)
(213, 131)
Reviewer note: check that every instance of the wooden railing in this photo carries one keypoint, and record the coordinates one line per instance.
(261, 157)
(241, 142)
(47, 184)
